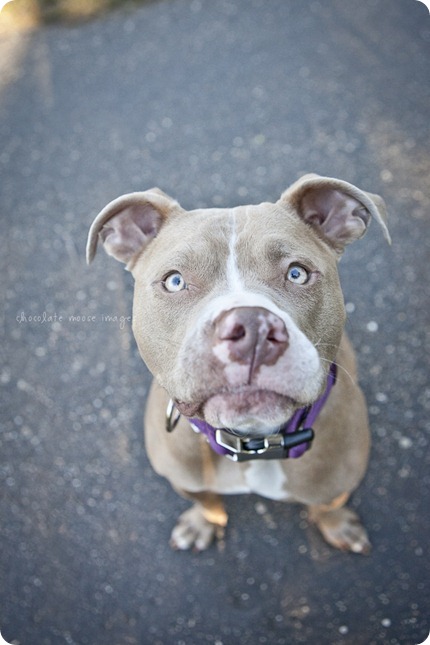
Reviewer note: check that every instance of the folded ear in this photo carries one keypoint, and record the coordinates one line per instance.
(339, 211)
(129, 223)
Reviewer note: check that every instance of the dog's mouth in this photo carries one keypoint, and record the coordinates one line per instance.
(245, 411)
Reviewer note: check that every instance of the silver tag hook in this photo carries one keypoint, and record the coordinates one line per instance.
(172, 416)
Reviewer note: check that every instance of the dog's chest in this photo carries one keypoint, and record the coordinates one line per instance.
(266, 478)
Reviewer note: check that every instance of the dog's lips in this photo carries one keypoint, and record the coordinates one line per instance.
(245, 398)
(187, 408)
(241, 407)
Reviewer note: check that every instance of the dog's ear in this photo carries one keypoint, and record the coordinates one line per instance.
(129, 223)
(339, 211)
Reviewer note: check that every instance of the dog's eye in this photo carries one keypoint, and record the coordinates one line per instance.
(297, 274)
(174, 282)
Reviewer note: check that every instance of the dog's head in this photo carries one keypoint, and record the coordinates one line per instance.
(238, 312)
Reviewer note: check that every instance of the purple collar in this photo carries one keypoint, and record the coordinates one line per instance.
(293, 439)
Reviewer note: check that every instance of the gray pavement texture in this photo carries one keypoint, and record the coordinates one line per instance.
(218, 103)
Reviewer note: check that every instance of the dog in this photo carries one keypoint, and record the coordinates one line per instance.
(239, 315)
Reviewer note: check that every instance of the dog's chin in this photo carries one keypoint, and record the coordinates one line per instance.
(249, 413)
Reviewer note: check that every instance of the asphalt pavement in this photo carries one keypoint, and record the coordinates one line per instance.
(217, 102)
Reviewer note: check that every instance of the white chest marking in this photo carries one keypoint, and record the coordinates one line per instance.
(267, 478)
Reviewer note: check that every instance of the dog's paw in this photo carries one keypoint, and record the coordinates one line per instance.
(342, 529)
(194, 531)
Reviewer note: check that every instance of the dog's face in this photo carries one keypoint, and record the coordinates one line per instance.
(238, 313)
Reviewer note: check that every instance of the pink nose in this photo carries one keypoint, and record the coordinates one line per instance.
(252, 336)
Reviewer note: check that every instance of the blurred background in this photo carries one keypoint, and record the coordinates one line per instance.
(217, 102)
(24, 13)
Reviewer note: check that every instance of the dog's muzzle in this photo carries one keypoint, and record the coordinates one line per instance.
(292, 441)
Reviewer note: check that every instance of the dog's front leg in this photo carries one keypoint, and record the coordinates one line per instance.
(340, 526)
(198, 526)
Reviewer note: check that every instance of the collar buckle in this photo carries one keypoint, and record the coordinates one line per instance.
(271, 447)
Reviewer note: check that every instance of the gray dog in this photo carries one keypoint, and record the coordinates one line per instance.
(239, 315)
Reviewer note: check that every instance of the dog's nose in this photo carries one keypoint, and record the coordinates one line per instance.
(251, 336)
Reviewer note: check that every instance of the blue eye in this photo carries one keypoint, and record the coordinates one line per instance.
(297, 274)
(174, 282)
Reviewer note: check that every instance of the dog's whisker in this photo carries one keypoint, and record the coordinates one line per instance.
(341, 367)
(319, 343)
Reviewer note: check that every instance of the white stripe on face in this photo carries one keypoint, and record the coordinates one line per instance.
(236, 294)
(234, 279)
